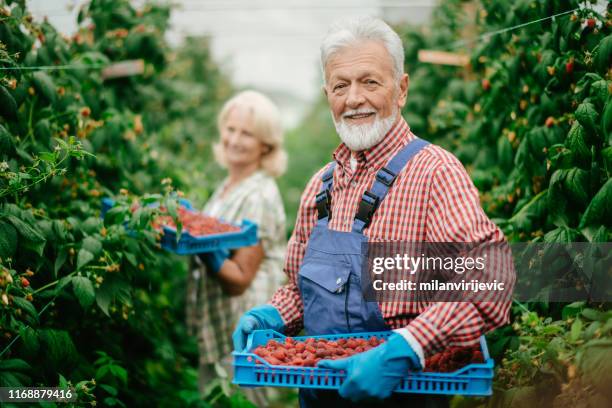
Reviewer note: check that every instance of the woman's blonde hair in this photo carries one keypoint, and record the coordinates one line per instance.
(266, 127)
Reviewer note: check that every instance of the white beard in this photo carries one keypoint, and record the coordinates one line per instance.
(362, 137)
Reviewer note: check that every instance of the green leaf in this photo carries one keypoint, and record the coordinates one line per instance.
(119, 372)
(572, 309)
(42, 132)
(84, 291)
(599, 91)
(587, 115)
(111, 390)
(505, 154)
(91, 225)
(598, 210)
(116, 215)
(27, 307)
(102, 372)
(577, 144)
(113, 287)
(59, 229)
(32, 238)
(606, 122)
(63, 383)
(539, 138)
(591, 330)
(83, 258)
(557, 204)
(604, 53)
(575, 184)
(59, 348)
(30, 342)
(131, 259)
(104, 297)
(593, 314)
(530, 212)
(599, 235)
(8, 240)
(576, 330)
(93, 245)
(60, 260)
(62, 283)
(6, 142)
(14, 364)
(47, 157)
(561, 234)
(8, 106)
(44, 84)
(110, 402)
(11, 379)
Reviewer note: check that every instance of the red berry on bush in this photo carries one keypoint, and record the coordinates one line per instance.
(591, 23)
(486, 84)
(24, 282)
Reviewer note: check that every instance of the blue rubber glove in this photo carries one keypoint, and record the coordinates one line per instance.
(258, 318)
(214, 260)
(376, 372)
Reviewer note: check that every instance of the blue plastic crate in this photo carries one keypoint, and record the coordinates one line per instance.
(189, 244)
(472, 380)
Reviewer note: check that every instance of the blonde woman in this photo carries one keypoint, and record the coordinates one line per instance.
(225, 284)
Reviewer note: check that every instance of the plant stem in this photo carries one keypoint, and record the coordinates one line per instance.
(50, 284)
(522, 306)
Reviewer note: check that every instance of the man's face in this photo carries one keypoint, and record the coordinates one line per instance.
(360, 77)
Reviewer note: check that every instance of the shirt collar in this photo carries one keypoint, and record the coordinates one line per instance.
(378, 155)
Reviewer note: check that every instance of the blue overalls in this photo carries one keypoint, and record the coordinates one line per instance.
(330, 278)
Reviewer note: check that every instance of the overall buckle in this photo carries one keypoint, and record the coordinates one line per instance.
(323, 202)
(367, 206)
(386, 176)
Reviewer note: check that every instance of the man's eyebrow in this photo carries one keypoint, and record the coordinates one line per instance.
(360, 76)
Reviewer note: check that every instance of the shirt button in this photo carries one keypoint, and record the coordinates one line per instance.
(338, 281)
(354, 183)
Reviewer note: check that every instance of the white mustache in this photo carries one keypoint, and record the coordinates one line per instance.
(357, 112)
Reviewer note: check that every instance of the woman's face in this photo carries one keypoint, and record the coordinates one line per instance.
(242, 148)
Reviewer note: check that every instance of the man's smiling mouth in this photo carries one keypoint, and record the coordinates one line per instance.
(359, 115)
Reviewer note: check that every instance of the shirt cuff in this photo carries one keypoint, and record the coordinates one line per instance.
(414, 344)
(290, 314)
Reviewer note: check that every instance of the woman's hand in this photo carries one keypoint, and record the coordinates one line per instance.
(238, 271)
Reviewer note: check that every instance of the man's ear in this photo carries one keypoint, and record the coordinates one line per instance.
(403, 93)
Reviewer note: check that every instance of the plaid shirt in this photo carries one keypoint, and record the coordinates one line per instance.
(432, 200)
(211, 313)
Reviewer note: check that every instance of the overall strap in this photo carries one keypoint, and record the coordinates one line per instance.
(385, 177)
(323, 198)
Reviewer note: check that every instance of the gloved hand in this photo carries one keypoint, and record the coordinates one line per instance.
(214, 260)
(376, 372)
(258, 318)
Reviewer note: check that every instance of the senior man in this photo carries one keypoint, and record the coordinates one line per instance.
(384, 184)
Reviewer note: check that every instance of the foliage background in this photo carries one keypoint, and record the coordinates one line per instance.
(85, 302)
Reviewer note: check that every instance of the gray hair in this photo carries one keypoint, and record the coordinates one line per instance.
(351, 31)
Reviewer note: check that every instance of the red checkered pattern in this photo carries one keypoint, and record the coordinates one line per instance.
(432, 200)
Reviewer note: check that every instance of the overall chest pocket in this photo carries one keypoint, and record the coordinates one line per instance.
(324, 285)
